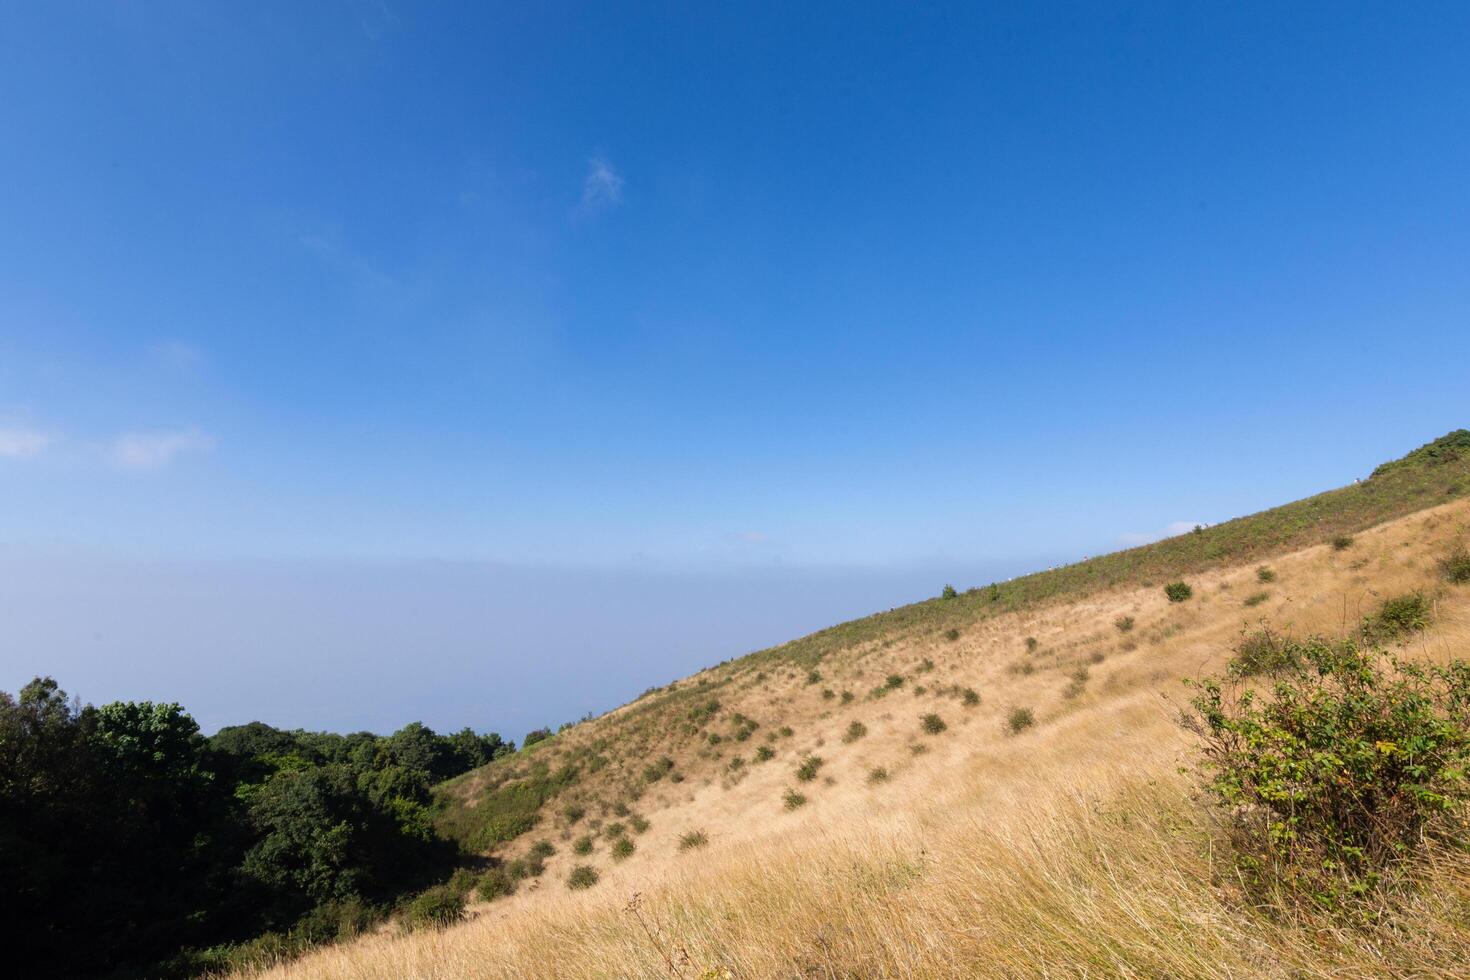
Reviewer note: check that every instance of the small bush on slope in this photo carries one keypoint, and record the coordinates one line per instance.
(1397, 617)
(1336, 777)
(435, 908)
(1178, 591)
(1456, 567)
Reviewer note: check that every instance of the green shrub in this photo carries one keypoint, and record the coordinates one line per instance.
(878, 774)
(764, 753)
(1256, 598)
(622, 849)
(1031, 644)
(1397, 617)
(807, 771)
(949, 592)
(1342, 542)
(613, 830)
(813, 677)
(1341, 773)
(847, 697)
(582, 845)
(436, 908)
(1178, 591)
(693, 839)
(893, 681)
(1456, 567)
(639, 824)
(582, 876)
(543, 849)
(1124, 623)
(573, 812)
(1265, 575)
(855, 731)
(970, 697)
(932, 724)
(1264, 651)
(793, 800)
(951, 635)
(495, 883)
(655, 771)
(1020, 719)
(785, 731)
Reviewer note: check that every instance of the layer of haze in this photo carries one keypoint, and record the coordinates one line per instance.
(487, 363)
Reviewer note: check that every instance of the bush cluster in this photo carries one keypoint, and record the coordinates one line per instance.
(1341, 772)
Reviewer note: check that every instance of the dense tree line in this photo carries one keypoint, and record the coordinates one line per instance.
(130, 844)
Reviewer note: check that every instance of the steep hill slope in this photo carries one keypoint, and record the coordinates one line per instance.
(987, 783)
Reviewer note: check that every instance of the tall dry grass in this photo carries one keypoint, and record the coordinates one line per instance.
(1128, 883)
(1074, 850)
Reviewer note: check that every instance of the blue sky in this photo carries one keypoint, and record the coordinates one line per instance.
(846, 300)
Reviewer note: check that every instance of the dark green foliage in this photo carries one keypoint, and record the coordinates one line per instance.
(573, 812)
(855, 731)
(582, 846)
(1455, 567)
(1339, 774)
(949, 592)
(1178, 591)
(932, 724)
(1396, 618)
(1265, 575)
(878, 774)
(1256, 598)
(622, 849)
(893, 681)
(951, 635)
(1020, 719)
(1124, 623)
(847, 697)
(639, 824)
(813, 677)
(970, 698)
(534, 736)
(764, 753)
(793, 800)
(1342, 542)
(436, 908)
(1031, 644)
(128, 841)
(582, 876)
(807, 771)
(828, 694)
(693, 839)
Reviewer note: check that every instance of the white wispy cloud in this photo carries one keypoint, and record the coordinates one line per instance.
(151, 450)
(603, 187)
(21, 443)
(1135, 538)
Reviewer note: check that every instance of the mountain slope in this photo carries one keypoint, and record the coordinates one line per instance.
(936, 835)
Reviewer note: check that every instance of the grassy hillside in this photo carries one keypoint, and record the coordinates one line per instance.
(985, 784)
(611, 763)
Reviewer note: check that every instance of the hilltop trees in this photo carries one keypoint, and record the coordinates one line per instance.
(127, 837)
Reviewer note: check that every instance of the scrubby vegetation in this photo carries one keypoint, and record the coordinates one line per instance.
(1337, 778)
(1455, 567)
(693, 839)
(1397, 617)
(582, 876)
(1020, 719)
(1178, 591)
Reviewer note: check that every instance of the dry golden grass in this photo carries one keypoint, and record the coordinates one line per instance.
(1071, 849)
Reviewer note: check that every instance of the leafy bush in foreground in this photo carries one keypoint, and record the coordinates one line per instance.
(582, 876)
(1339, 774)
(1178, 591)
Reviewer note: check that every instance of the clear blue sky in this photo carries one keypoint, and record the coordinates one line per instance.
(885, 294)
